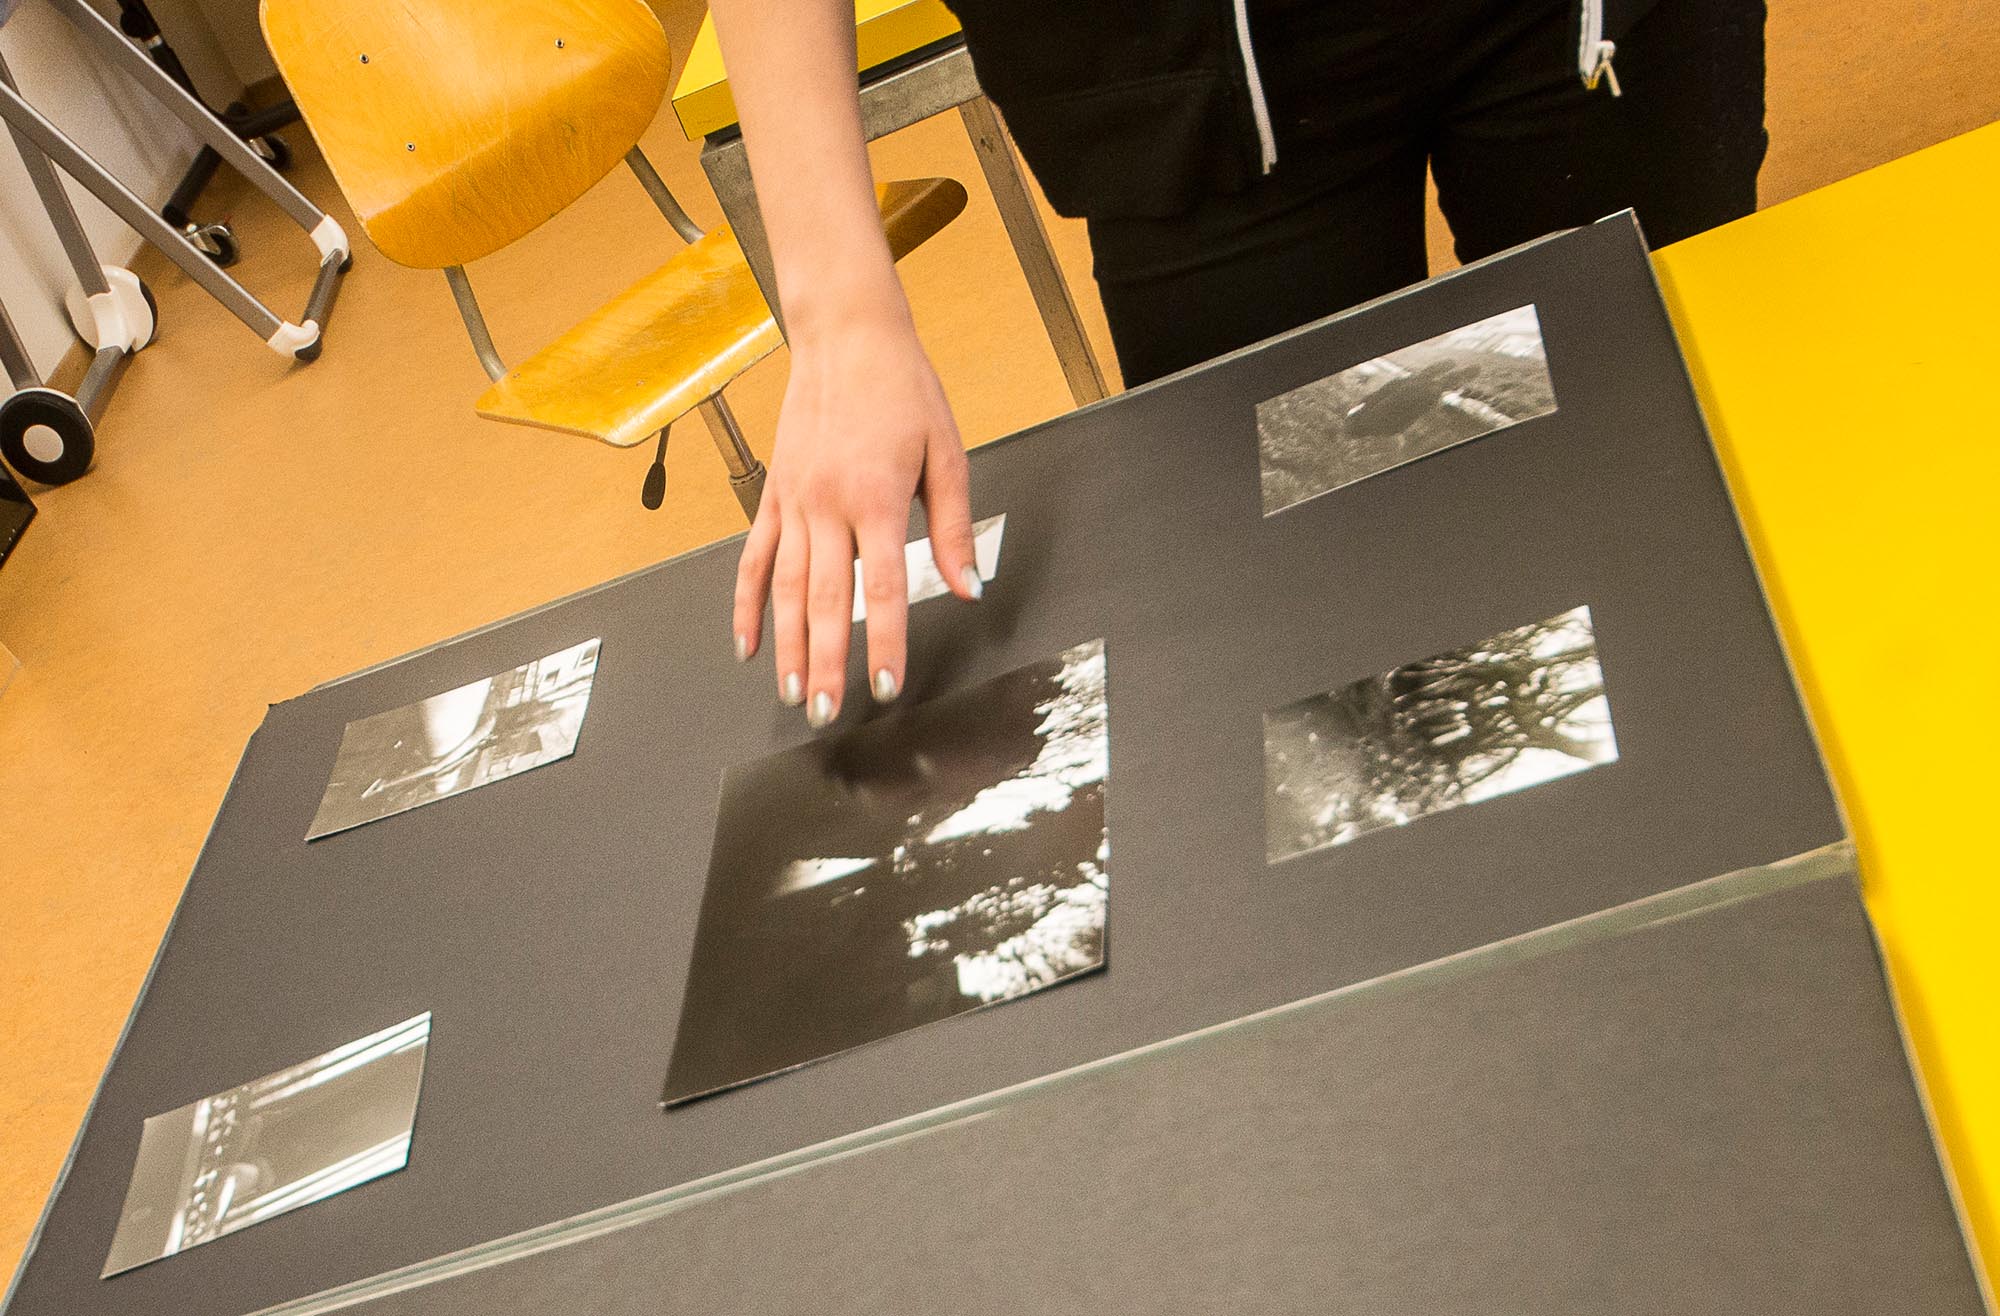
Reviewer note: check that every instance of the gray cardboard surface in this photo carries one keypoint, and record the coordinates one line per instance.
(547, 920)
(1707, 1111)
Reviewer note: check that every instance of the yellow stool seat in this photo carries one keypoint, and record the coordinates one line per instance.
(649, 355)
(673, 339)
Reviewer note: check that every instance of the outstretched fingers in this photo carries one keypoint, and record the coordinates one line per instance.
(753, 579)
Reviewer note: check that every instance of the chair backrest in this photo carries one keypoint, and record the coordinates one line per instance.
(454, 127)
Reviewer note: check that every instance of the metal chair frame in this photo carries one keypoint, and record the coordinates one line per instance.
(746, 472)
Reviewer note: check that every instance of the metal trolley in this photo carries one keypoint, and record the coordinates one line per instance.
(48, 435)
(257, 127)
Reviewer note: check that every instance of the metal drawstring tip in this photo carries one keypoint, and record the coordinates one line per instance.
(1603, 72)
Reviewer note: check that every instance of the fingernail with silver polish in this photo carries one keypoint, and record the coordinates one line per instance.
(885, 686)
(742, 648)
(973, 584)
(793, 692)
(821, 711)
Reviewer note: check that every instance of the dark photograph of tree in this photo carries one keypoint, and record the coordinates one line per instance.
(1523, 708)
(1394, 409)
(941, 858)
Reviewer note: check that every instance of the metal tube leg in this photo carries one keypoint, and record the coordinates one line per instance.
(69, 230)
(663, 196)
(95, 390)
(47, 139)
(191, 112)
(1031, 247)
(727, 165)
(21, 371)
(746, 473)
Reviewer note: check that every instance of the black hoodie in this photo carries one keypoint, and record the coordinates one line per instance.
(1141, 107)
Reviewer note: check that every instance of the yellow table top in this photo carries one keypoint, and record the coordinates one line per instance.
(1845, 346)
(885, 30)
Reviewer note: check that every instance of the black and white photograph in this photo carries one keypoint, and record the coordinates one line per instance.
(1523, 708)
(920, 566)
(272, 1145)
(1415, 401)
(460, 740)
(942, 858)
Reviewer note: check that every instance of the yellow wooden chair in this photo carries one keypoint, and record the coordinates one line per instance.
(455, 127)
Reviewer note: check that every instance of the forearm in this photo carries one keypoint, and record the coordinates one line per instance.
(791, 69)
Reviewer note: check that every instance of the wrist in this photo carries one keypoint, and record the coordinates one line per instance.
(855, 297)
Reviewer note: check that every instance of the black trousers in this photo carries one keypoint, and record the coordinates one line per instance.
(1365, 93)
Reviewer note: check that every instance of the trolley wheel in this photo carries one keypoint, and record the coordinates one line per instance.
(134, 316)
(151, 305)
(216, 242)
(274, 150)
(46, 436)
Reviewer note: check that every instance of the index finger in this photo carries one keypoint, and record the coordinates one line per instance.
(885, 588)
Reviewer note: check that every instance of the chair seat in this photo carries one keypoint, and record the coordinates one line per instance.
(673, 339)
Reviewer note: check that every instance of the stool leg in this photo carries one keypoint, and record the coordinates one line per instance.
(746, 473)
(727, 165)
(1031, 247)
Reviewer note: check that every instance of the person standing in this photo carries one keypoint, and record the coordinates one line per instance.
(1243, 167)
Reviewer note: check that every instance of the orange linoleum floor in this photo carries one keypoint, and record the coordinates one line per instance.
(252, 528)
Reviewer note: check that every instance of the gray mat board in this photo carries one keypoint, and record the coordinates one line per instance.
(546, 920)
(1709, 1113)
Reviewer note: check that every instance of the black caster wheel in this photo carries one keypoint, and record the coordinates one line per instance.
(274, 150)
(216, 242)
(46, 436)
(153, 307)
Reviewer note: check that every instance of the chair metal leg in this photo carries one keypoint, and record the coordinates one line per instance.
(746, 473)
(727, 165)
(1031, 247)
(663, 197)
(897, 100)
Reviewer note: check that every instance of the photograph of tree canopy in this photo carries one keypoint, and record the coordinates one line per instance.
(1415, 401)
(1523, 708)
(941, 858)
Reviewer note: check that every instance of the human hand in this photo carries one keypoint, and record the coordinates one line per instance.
(865, 428)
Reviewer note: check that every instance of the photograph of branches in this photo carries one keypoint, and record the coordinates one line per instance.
(1417, 400)
(484, 731)
(939, 859)
(1523, 708)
